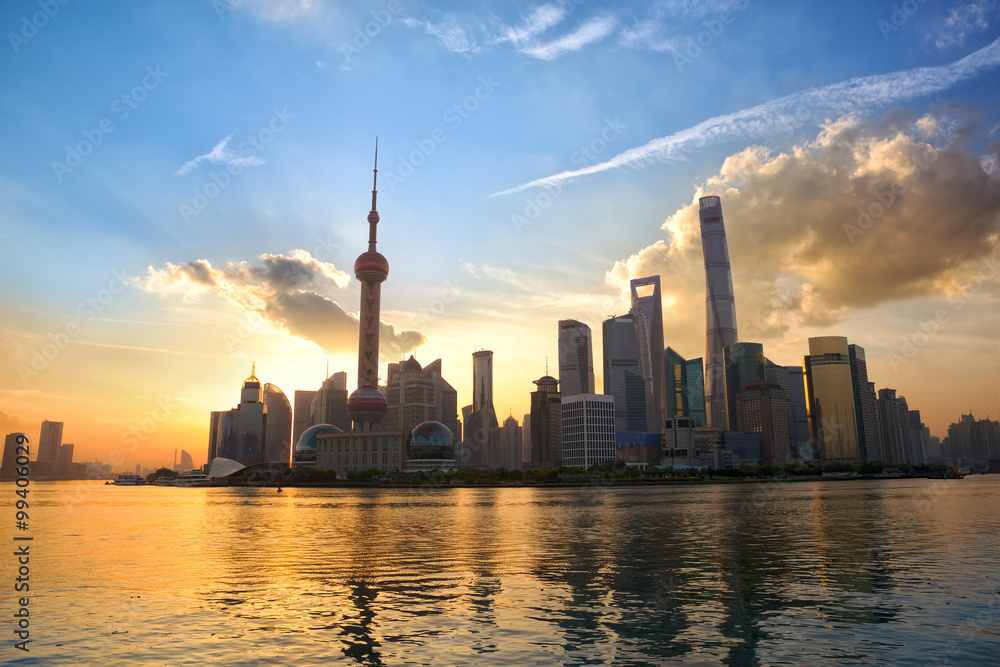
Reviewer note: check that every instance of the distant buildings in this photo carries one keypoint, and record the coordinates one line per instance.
(720, 307)
(49, 441)
(481, 438)
(510, 445)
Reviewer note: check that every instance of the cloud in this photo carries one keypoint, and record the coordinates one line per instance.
(868, 213)
(286, 291)
(278, 11)
(787, 113)
(591, 31)
(220, 154)
(962, 21)
(450, 34)
(15, 424)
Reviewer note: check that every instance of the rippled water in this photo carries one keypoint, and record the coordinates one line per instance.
(896, 572)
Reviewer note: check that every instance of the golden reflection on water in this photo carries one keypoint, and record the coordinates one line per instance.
(702, 574)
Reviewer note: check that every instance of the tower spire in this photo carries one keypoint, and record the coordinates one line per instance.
(373, 216)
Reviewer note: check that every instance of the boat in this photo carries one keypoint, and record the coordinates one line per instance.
(192, 478)
(163, 480)
(129, 479)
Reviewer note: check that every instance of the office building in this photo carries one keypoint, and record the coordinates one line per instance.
(329, 404)
(49, 441)
(510, 445)
(576, 358)
(647, 309)
(720, 308)
(623, 375)
(675, 374)
(762, 408)
(864, 405)
(588, 430)
(278, 434)
(546, 424)
(830, 396)
(417, 394)
(694, 373)
(891, 426)
(302, 414)
(744, 363)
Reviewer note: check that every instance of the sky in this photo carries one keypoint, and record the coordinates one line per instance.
(185, 188)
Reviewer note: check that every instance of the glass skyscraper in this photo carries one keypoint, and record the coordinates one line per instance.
(695, 372)
(744, 363)
(576, 358)
(830, 395)
(623, 376)
(720, 308)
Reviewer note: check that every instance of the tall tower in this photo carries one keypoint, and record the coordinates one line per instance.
(720, 308)
(833, 422)
(576, 358)
(366, 405)
(647, 307)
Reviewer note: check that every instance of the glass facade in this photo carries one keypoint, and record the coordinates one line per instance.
(744, 364)
(695, 391)
(830, 396)
(307, 448)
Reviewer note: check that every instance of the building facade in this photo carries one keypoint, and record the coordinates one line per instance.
(546, 425)
(588, 430)
(576, 358)
(623, 375)
(720, 308)
(647, 310)
(830, 395)
(744, 363)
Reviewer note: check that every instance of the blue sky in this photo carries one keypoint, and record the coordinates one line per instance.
(532, 158)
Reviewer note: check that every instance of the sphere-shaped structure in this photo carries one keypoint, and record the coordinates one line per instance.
(371, 267)
(366, 404)
(431, 440)
(305, 448)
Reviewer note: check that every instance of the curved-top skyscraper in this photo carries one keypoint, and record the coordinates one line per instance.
(720, 308)
(366, 405)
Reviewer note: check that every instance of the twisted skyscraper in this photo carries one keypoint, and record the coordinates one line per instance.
(367, 405)
(720, 309)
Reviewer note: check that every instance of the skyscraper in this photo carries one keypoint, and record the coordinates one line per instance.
(762, 408)
(482, 431)
(417, 394)
(576, 358)
(623, 376)
(694, 371)
(302, 415)
(587, 434)
(720, 308)
(329, 404)
(482, 380)
(675, 373)
(49, 440)
(366, 405)
(891, 426)
(864, 405)
(830, 395)
(510, 445)
(546, 424)
(278, 433)
(744, 363)
(798, 433)
(647, 307)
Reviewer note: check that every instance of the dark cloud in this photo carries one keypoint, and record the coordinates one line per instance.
(274, 289)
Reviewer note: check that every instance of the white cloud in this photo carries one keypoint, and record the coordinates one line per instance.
(220, 154)
(964, 20)
(786, 113)
(591, 31)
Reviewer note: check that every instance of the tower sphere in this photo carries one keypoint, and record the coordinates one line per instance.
(366, 404)
(371, 267)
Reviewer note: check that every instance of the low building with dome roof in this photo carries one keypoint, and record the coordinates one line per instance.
(431, 446)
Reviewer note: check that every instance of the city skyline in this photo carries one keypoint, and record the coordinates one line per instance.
(871, 215)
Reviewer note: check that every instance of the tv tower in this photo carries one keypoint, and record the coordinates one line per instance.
(366, 405)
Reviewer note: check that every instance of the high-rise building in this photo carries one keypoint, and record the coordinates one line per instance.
(588, 430)
(720, 308)
(329, 405)
(694, 372)
(762, 408)
(744, 363)
(526, 441)
(830, 394)
(8, 465)
(65, 455)
(887, 406)
(799, 431)
(864, 405)
(576, 358)
(482, 430)
(417, 394)
(623, 375)
(186, 463)
(49, 441)
(367, 405)
(510, 445)
(302, 415)
(278, 434)
(246, 443)
(647, 307)
(910, 428)
(675, 372)
(216, 426)
(546, 424)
